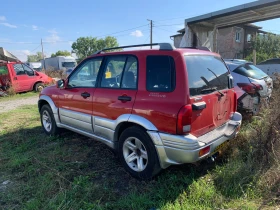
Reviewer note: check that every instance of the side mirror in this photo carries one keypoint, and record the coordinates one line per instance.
(36, 73)
(230, 81)
(60, 83)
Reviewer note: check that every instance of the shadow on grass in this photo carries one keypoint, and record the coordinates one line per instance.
(71, 171)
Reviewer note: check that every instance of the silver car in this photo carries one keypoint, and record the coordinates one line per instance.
(251, 85)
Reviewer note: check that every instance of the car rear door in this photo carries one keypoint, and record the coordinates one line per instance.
(212, 101)
(116, 91)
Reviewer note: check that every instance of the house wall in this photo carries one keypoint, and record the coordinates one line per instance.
(228, 47)
(177, 40)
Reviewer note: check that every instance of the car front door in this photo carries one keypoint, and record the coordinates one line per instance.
(115, 93)
(24, 78)
(75, 100)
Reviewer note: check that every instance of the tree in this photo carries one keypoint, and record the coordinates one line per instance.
(61, 53)
(267, 46)
(85, 46)
(35, 58)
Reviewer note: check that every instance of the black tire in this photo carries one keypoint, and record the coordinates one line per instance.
(152, 164)
(39, 87)
(54, 130)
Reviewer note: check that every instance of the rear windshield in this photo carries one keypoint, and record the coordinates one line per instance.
(249, 70)
(206, 74)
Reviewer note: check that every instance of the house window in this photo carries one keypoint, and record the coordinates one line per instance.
(249, 38)
(238, 36)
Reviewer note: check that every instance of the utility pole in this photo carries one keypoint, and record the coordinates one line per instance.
(151, 33)
(43, 57)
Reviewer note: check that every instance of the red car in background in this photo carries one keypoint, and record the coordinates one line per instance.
(21, 77)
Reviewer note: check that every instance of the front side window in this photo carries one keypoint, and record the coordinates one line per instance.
(250, 70)
(160, 73)
(86, 74)
(120, 72)
(28, 71)
(206, 74)
(19, 69)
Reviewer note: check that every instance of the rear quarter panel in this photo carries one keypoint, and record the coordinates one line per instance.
(161, 108)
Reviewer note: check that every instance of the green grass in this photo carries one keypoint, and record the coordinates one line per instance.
(19, 96)
(75, 172)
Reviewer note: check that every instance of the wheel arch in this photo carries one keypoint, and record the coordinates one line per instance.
(133, 120)
(37, 83)
(47, 100)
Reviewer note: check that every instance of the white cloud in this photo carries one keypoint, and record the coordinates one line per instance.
(52, 31)
(21, 54)
(9, 25)
(137, 33)
(53, 37)
(35, 28)
(2, 18)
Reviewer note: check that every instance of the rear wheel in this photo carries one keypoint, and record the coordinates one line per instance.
(39, 87)
(48, 121)
(138, 154)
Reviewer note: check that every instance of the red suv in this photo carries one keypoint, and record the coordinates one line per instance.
(154, 107)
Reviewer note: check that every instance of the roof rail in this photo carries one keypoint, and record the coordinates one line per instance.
(162, 46)
(198, 48)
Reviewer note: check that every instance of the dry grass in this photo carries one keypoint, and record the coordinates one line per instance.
(55, 73)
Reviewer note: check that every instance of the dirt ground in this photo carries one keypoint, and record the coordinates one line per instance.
(13, 104)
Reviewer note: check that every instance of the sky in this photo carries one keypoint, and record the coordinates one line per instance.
(59, 22)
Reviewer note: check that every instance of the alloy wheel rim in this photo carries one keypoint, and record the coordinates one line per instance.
(135, 154)
(47, 121)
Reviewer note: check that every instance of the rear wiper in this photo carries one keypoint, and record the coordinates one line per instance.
(218, 80)
(212, 89)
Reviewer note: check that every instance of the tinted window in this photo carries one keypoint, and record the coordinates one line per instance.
(3, 70)
(249, 70)
(85, 75)
(19, 69)
(160, 73)
(206, 74)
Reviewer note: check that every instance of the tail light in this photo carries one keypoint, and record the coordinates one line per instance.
(250, 88)
(184, 120)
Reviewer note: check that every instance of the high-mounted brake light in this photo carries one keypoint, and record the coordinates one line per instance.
(184, 120)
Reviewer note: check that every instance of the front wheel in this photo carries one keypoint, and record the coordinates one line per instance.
(48, 121)
(39, 87)
(138, 154)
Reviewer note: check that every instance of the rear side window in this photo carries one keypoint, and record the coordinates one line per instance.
(160, 73)
(3, 70)
(250, 70)
(206, 74)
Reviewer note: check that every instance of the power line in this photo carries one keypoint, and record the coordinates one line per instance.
(163, 29)
(35, 48)
(172, 24)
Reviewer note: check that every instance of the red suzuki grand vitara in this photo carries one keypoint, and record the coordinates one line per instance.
(156, 108)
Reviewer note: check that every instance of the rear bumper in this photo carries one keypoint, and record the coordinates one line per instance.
(176, 149)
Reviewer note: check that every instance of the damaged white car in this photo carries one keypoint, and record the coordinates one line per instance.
(251, 85)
